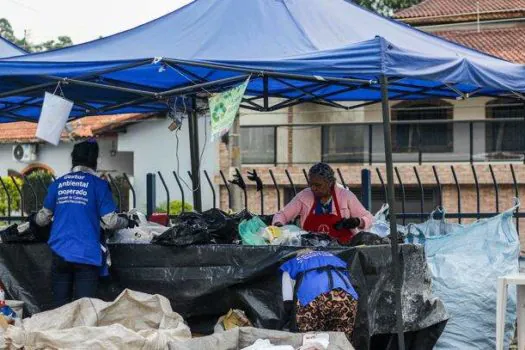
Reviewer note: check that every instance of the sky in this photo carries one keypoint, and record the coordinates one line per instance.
(82, 20)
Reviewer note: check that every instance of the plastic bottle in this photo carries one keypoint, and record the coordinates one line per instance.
(5, 310)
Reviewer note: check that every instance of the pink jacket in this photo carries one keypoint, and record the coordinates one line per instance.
(302, 205)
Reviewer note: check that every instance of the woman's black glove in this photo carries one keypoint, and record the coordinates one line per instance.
(349, 223)
(133, 219)
(32, 220)
(238, 180)
(252, 176)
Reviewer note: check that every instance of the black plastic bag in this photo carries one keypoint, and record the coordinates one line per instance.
(32, 234)
(187, 229)
(203, 283)
(242, 215)
(318, 240)
(368, 238)
(10, 234)
(221, 227)
(267, 219)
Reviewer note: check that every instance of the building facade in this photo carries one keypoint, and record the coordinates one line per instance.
(479, 137)
(130, 144)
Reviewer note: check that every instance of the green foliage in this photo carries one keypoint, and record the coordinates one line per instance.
(37, 183)
(62, 41)
(7, 32)
(13, 193)
(175, 207)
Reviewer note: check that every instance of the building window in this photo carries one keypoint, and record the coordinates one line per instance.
(505, 140)
(434, 138)
(258, 145)
(289, 193)
(343, 143)
(412, 200)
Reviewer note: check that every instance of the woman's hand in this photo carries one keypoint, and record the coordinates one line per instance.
(349, 223)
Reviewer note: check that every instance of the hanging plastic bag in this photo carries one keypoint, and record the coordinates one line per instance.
(465, 262)
(381, 226)
(53, 118)
(249, 231)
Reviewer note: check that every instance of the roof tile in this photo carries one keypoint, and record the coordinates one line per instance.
(19, 132)
(506, 43)
(449, 11)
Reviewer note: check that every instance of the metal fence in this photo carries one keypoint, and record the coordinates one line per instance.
(365, 191)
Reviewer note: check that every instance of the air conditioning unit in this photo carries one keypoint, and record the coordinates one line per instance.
(25, 153)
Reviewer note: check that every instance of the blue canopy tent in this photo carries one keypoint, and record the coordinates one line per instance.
(318, 51)
(302, 51)
(8, 49)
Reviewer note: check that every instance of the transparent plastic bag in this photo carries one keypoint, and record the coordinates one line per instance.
(141, 234)
(249, 231)
(381, 225)
(290, 236)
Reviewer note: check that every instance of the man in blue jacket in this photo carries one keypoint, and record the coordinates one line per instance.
(77, 204)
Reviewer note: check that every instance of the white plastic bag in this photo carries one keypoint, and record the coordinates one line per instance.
(265, 344)
(381, 226)
(142, 234)
(290, 236)
(53, 118)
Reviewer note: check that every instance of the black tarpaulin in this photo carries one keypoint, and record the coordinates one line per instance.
(204, 282)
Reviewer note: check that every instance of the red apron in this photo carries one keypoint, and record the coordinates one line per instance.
(325, 223)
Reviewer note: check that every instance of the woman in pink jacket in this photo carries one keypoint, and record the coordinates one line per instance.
(326, 207)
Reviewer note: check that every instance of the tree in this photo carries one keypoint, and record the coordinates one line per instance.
(7, 32)
(387, 7)
(34, 189)
(62, 41)
(175, 207)
(12, 194)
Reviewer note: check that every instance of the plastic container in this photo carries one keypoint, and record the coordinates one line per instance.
(17, 306)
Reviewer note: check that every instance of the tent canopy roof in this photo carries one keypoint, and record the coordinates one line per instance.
(8, 49)
(320, 51)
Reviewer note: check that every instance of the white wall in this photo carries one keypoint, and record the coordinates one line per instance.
(59, 158)
(154, 149)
